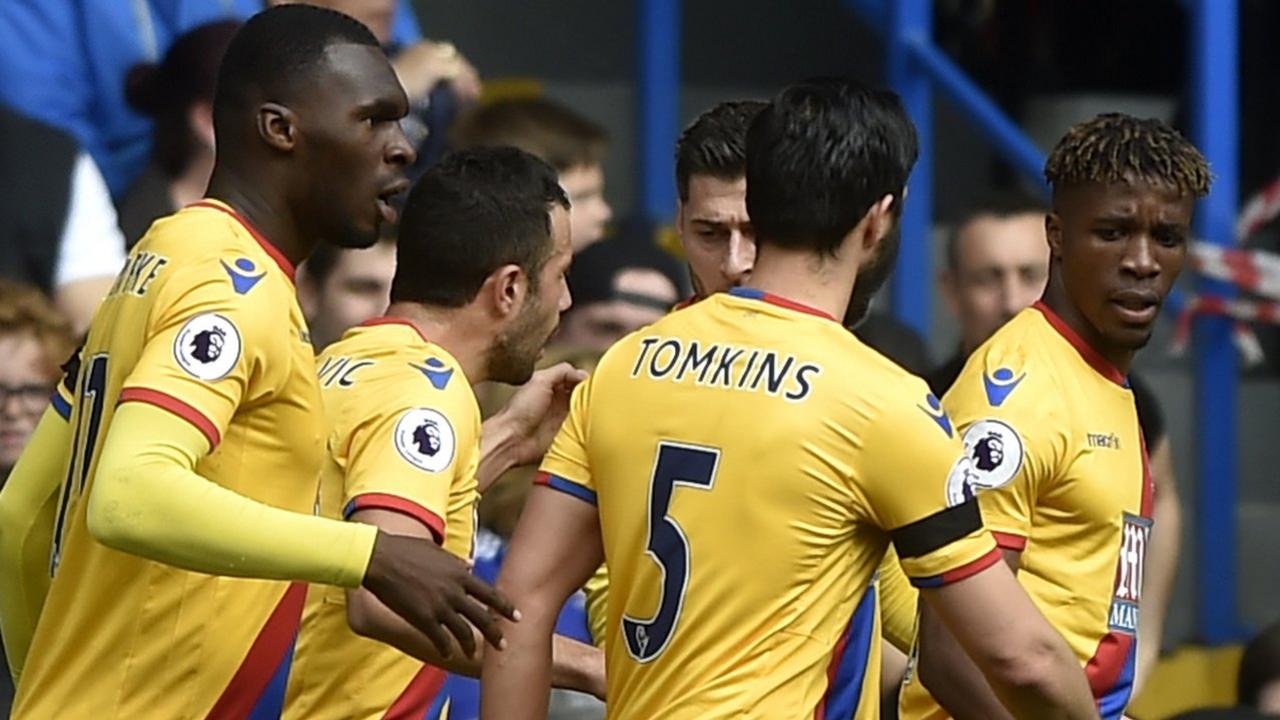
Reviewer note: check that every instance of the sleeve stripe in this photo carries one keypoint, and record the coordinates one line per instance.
(969, 569)
(569, 487)
(938, 530)
(395, 503)
(1009, 541)
(175, 406)
(60, 405)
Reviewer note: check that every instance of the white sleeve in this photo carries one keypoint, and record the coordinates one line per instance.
(92, 244)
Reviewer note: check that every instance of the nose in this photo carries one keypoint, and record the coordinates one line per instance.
(606, 211)
(400, 152)
(1015, 295)
(1138, 259)
(740, 258)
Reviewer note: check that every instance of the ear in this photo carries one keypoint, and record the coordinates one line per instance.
(200, 119)
(277, 125)
(879, 221)
(505, 290)
(1053, 233)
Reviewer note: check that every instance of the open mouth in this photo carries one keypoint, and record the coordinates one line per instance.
(385, 201)
(1136, 307)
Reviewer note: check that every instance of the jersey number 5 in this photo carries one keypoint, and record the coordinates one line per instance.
(93, 390)
(676, 464)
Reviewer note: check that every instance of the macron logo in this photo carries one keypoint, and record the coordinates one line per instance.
(999, 385)
(437, 372)
(240, 279)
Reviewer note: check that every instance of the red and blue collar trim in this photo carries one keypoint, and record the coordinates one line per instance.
(1087, 351)
(754, 294)
(271, 250)
(388, 320)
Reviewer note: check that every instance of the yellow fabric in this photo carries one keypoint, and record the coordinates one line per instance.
(203, 322)
(27, 506)
(384, 385)
(898, 603)
(597, 592)
(1068, 477)
(818, 447)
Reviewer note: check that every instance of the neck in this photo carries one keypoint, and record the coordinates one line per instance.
(800, 276)
(453, 329)
(190, 186)
(1056, 298)
(259, 201)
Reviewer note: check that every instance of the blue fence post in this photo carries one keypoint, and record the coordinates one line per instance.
(1215, 108)
(912, 282)
(657, 106)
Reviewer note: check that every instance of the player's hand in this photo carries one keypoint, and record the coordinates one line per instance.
(435, 592)
(538, 409)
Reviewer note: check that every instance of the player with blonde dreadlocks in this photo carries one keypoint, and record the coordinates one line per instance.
(1048, 419)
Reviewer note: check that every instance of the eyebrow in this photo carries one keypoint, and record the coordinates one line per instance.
(382, 106)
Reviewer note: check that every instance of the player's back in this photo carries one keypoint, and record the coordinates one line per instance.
(727, 450)
(403, 433)
(202, 322)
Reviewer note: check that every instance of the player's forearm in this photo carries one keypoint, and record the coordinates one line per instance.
(515, 683)
(28, 504)
(1050, 686)
(576, 665)
(1161, 565)
(951, 676)
(498, 438)
(148, 500)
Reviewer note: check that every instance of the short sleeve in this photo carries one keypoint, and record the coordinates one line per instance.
(1010, 445)
(413, 458)
(918, 484)
(210, 349)
(565, 466)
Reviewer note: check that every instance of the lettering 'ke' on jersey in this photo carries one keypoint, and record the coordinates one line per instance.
(202, 321)
(750, 461)
(1052, 432)
(404, 435)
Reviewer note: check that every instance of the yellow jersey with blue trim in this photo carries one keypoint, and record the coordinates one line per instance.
(203, 322)
(404, 436)
(1052, 433)
(750, 461)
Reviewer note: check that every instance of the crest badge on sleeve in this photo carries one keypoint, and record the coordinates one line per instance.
(207, 347)
(996, 451)
(425, 439)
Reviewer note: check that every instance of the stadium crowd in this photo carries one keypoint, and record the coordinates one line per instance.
(487, 317)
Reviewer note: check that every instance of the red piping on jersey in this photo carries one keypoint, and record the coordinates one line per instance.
(416, 699)
(270, 249)
(394, 503)
(264, 656)
(755, 294)
(1104, 668)
(388, 320)
(177, 407)
(820, 712)
(685, 303)
(1087, 351)
(1009, 541)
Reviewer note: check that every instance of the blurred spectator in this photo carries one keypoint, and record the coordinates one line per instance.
(64, 62)
(178, 95)
(339, 289)
(58, 229)
(997, 265)
(895, 340)
(437, 78)
(34, 339)
(618, 286)
(1259, 682)
(569, 142)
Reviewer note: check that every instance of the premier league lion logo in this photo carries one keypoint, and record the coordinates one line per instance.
(207, 345)
(988, 453)
(427, 437)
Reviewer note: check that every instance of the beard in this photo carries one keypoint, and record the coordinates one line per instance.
(871, 277)
(514, 353)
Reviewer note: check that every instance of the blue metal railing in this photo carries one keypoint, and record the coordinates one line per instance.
(657, 106)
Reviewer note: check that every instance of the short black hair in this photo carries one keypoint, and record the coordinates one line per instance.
(715, 143)
(473, 212)
(1002, 206)
(1114, 148)
(1259, 666)
(275, 48)
(549, 129)
(819, 156)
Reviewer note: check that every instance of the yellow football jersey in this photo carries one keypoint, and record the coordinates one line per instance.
(404, 435)
(203, 322)
(1052, 432)
(750, 460)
